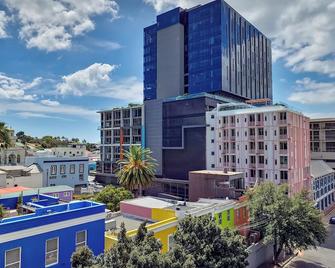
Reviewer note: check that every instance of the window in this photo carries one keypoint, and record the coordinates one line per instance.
(170, 241)
(51, 252)
(53, 169)
(62, 169)
(81, 168)
(72, 168)
(212, 141)
(81, 239)
(13, 258)
(212, 116)
(213, 166)
(220, 218)
(228, 215)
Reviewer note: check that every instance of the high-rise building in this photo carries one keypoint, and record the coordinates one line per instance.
(266, 143)
(323, 140)
(195, 59)
(209, 48)
(120, 128)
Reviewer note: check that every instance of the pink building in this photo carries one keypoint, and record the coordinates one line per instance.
(266, 143)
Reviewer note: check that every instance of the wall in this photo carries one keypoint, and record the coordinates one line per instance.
(63, 196)
(35, 180)
(170, 61)
(33, 247)
(259, 254)
(225, 223)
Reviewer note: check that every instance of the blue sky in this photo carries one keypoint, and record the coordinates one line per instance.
(61, 61)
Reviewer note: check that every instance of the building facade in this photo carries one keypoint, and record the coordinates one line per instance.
(120, 128)
(323, 140)
(323, 185)
(70, 171)
(26, 176)
(266, 143)
(48, 236)
(70, 151)
(208, 48)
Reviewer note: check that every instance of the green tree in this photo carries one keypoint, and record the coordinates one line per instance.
(137, 168)
(2, 212)
(83, 257)
(112, 196)
(5, 140)
(209, 246)
(178, 258)
(290, 223)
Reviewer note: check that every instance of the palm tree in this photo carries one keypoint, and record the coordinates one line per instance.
(4, 135)
(137, 168)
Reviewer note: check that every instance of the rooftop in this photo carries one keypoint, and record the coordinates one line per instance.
(131, 223)
(11, 190)
(216, 172)
(316, 120)
(148, 202)
(320, 168)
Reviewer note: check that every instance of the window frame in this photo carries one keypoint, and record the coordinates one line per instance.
(45, 253)
(17, 262)
(81, 168)
(53, 170)
(72, 171)
(62, 169)
(78, 244)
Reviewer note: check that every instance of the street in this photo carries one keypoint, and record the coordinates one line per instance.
(323, 256)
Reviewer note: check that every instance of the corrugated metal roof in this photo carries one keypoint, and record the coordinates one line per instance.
(320, 168)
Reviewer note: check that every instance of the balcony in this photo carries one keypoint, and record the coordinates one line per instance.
(232, 151)
(283, 122)
(260, 137)
(252, 165)
(251, 123)
(252, 151)
(232, 138)
(282, 151)
(260, 123)
(283, 166)
(260, 151)
(283, 137)
(260, 165)
(252, 137)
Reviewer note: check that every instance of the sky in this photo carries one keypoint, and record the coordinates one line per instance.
(63, 60)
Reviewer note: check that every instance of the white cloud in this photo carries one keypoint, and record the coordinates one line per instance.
(15, 89)
(4, 19)
(95, 80)
(50, 102)
(309, 91)
(51, 25)
(303, 31)
(108, 45)
(61, 110)
(39, 115)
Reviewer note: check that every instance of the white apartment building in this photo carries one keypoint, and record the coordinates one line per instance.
(323, 140)
(26, 176)
(120, 128)
(266, 143)
(323, 183)
(71, 150)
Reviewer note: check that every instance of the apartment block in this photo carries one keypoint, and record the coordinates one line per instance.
(266, 143)
(322, 137)
(46, 233)
(323, 185)
(208, 48)
(119, 129)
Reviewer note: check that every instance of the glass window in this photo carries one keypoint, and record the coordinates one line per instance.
(62, 169)
(53, 169)
(81, 168)
(13, 258)
(80, 239)
(72, 168)
(228, 215)
(51, 252)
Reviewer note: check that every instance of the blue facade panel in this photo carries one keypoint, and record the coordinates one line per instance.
(224, 53)
(33, 247)
(150, 63)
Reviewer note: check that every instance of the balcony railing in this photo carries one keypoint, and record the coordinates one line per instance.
(283, 122)
(283, 151)
(261, 137)
(283, 137)
(252, 151)
(260, 165)
(283, 166)
(260, 151)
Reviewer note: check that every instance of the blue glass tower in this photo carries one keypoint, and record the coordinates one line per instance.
(209, 48)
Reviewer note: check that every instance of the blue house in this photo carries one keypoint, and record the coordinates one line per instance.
(50, 232)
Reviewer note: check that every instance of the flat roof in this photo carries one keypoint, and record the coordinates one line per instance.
(11, 190)
(320, 168)
(130, 223)
(148, 202)
(322, 119)
(34, 191)
(216, 172)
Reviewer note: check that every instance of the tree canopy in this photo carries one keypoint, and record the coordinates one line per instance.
(112, 196)
(137, 168)
(5, 140)
(287, 222)
(83, 257)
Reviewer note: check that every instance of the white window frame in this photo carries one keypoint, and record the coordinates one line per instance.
(53, 169)
(46, 243)
(62, 169)
(72, 169)
(81, 168)
(17, 262)
(79, 244)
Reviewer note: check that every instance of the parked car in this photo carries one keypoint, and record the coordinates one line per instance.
(332, 220)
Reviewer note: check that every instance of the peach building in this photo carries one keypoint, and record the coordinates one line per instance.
(266, 143)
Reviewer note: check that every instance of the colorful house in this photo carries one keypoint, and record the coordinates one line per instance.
(163, 216)
(49, 232)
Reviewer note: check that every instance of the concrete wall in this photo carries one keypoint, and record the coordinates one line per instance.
(170, 61)
(153, 130)
(259, 254)
(32, 181)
